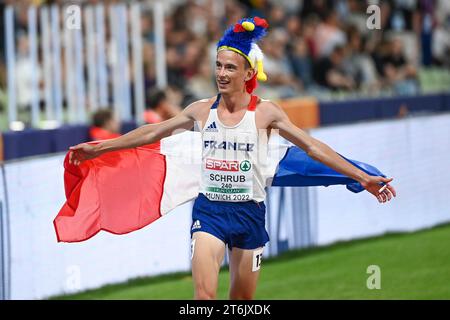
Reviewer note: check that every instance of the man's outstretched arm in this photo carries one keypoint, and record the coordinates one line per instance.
(321, 152)
(140, 136)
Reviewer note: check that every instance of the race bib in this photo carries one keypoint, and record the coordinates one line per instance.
(227, 170)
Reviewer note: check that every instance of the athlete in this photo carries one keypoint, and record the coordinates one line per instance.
(235, 126)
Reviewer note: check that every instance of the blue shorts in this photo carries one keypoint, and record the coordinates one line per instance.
(237, 224)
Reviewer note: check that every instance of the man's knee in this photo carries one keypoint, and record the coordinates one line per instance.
(204, 293)
(242, 295)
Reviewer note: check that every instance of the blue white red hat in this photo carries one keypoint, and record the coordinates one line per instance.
(242, 37)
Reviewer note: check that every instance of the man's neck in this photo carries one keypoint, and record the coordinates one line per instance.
(235, 101)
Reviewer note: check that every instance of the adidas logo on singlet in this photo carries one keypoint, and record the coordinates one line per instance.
(212, 127)
(196, 225)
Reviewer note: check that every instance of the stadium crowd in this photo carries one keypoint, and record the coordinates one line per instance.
(313, 47)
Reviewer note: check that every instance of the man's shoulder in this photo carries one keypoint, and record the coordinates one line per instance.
(202, 103)
(207, 100)
(265, 105)
(268, 111)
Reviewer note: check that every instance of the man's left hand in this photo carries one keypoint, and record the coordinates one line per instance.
(380, 188)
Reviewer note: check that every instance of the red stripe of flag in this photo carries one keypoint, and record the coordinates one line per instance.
(118, 192)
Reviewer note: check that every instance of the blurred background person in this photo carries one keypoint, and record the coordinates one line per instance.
(282, 82)
(159, 107)
(329, 34)
(330, 71)
(397, 72)
(358, 63)
(24, 74)
(202, 83)
(105, 125)
(440, 43)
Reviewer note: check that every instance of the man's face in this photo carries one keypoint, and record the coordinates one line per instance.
(232, 71)
(113, 125)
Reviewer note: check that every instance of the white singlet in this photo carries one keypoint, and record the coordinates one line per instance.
(233, 158)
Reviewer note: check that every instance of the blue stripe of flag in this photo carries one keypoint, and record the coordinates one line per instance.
(297, 169)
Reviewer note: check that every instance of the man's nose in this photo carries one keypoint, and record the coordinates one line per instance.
(221, 72)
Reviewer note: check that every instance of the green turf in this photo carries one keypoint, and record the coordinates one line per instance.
(413, 266)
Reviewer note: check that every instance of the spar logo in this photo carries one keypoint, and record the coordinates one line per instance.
(245, 165)
(222, 165)
(226, 165)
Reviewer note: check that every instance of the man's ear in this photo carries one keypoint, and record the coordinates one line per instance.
(250, 73)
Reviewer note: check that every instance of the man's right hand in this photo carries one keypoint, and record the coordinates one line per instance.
(82, 152)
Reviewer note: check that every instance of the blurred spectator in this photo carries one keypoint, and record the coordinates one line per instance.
(358, 63)
(301, 62)
(357, 16)
(294, 26)
(176, 96)
(175, 71)
(202, 85)
(289, 6)
(256, 8)
(309, 30)
(277, 17)
(282, 81)
(396, 70)
(441, 36)
(24, 73)
(104, 125)
(147, 26)
(441, 45)
(402, 15)
(234, 11)
(159, 107)
(214, 30)
(310, 43)
(427, 24)
(442, 11)
(149, 66)
(192, 54)
(197, 15)
(330, 72)
(178, 33)
(150, 114)
(319, 7)
(329, 34)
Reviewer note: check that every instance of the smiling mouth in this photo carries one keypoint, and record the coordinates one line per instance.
(223, 82)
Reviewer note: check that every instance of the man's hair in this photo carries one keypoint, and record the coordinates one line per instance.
(155, 97)
(100, 117)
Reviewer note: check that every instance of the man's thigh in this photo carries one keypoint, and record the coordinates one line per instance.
(244, 272)
(207, 253)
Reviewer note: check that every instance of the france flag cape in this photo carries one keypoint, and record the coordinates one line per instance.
(125, 190)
